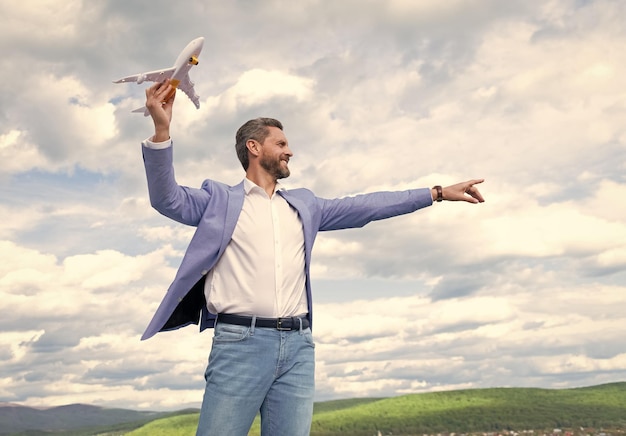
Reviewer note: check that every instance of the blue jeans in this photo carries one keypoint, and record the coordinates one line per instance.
(254, 369)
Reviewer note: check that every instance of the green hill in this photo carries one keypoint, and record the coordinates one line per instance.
(463, 411)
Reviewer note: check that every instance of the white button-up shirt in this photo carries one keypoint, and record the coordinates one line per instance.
(262, 269)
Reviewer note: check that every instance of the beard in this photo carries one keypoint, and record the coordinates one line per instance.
(273, 166)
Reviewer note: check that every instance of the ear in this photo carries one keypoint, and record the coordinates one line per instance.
(253, 147)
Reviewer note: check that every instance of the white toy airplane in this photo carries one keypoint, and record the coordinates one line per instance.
(178, 74)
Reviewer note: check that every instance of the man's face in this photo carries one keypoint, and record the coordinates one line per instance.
(275, 154)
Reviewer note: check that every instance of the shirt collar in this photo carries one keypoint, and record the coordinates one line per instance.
(249, 185)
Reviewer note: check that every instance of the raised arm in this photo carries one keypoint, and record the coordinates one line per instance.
(183, 204)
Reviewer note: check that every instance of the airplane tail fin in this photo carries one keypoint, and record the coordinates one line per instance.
(143, 110)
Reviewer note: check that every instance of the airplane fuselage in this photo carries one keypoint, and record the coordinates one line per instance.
(187, 59)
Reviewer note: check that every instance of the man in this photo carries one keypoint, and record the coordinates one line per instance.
(246, 271)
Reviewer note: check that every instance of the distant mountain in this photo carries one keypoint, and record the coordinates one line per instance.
(73, 419)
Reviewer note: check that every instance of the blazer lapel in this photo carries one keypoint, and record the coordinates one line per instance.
(233, 209)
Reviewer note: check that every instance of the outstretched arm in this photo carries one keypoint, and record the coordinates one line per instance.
(464, 191)
(159, 101)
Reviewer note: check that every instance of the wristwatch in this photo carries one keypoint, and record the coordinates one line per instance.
(439, 190)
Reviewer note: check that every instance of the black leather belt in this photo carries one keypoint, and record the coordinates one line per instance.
(290, 323)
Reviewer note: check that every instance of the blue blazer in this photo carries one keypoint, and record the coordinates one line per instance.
(214, 210)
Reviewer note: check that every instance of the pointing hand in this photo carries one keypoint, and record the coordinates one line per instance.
(465, 191)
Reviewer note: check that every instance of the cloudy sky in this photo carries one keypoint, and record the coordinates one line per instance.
(525, 290)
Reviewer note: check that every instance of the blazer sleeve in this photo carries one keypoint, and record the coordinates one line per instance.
(356, 211)
(180, 203)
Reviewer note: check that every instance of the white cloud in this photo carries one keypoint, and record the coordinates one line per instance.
(417, 345)
(257, 86)
(17, 154)
(544, 231)
(32, 22)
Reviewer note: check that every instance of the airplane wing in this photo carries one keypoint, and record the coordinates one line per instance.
(186, 85)
(152, 76)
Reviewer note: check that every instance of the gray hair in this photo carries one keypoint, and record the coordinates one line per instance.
(256, 129)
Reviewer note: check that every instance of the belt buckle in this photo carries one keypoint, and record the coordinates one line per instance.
(279, 325)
